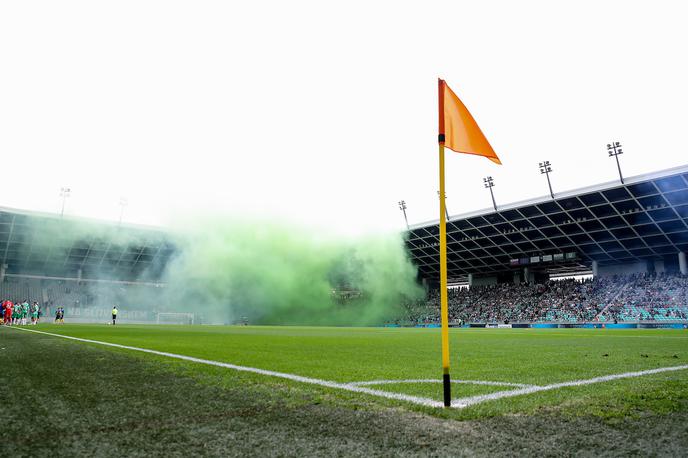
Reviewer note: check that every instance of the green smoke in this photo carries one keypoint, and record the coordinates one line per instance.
(276, 273)
(226, 271)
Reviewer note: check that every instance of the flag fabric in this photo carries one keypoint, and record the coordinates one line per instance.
(458, 128)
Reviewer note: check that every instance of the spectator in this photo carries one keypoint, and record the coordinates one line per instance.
(617, 298)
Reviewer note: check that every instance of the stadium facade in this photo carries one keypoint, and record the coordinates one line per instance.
(638, 226)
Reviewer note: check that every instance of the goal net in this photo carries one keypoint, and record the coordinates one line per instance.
(175, 318)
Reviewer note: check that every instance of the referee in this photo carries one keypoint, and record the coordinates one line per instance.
(114, 314)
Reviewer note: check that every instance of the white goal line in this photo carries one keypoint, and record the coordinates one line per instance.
(464, 382)
(472, 400)
(359, 387)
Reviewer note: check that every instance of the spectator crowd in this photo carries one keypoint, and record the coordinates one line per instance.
(606, 299)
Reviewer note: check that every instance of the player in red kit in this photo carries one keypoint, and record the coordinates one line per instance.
(8, 312)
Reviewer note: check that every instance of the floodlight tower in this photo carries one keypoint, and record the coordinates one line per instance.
(402, 207)
(614, 149)
(123, 202)
(489, 184)
(546, 169)
(64, 193)
(446, 212)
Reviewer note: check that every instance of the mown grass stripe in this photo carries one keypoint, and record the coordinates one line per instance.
(360, 387)
(297, 378)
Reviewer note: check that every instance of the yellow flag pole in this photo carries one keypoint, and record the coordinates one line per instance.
(444, 307)
(443, 287)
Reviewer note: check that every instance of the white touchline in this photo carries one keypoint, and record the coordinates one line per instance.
(466, 382)
(465, 402)
(355, 386)
(297, 378)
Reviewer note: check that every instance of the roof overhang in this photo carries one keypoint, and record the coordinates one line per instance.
(642, 219)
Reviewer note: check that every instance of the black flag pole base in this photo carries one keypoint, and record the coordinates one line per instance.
(446, 382)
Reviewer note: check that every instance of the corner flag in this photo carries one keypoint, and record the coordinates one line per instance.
(459, 132)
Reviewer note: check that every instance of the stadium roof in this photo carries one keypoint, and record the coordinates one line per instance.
(41, 244)
(612, 223)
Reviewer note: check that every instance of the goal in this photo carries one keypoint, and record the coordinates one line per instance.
(175, 318)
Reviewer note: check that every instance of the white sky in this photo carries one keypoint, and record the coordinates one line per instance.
(328, 111)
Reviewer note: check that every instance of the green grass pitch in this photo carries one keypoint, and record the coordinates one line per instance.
(630, 415)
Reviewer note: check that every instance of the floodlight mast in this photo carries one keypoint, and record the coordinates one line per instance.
(446, 212)
(402, 207)
(489, 184)
(546, 169)
(123, 202)
(614, 149)
(64, 193)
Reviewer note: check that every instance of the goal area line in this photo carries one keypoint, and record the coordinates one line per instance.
(362, 387)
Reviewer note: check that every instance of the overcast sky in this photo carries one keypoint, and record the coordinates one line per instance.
(327, 111)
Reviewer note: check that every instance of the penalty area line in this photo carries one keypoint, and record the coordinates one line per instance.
(296, 378)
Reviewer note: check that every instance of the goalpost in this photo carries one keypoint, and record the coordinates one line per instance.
(174, 318)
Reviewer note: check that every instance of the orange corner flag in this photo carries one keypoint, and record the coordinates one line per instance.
(458, 130)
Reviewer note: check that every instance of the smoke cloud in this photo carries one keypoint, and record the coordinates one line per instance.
(269, 272)
(224, 270)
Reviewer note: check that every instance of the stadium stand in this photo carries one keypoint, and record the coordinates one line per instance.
(639, 297)
(79, 297)
(639, 226)
(632, 237)
(645, 297)
(84, 266)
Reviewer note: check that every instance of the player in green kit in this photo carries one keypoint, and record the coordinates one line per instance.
(25, 312)
(34, 313)
(16, 314)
